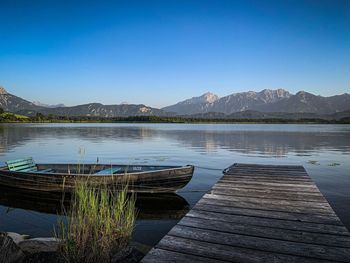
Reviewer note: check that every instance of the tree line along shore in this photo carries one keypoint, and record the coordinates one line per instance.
(8, 117)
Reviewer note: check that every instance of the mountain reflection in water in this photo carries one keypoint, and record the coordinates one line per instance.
(274, 142)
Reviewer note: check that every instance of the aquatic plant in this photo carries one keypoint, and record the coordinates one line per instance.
(99, 223)
(333, 164)
(81, 153)
(313, 162)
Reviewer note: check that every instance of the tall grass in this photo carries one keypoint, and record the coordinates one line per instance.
(99, 224)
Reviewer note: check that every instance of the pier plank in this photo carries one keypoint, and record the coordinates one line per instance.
(265, 244)
(261, 204)
(269, 194)
(273, 223)
(331, 236)
(212, 205)
(270, 201)
(157, 255)
(225, 252)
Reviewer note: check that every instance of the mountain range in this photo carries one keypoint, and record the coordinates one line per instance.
(249, 104)
(12, 103)
(266, 100)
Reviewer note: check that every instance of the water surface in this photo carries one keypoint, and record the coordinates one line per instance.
(324, 150)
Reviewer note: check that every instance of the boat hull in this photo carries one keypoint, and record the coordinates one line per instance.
(162, 180)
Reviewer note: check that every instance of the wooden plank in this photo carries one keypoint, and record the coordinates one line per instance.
(313, 234)
(269, 194)
(269, 169)
(265, 172)
(264, 244)
(269, 177)
(226, 252)
(272, 184)
(233, 187)
(157, 255)
(20, 161)
(213, 206)
(267, 182)
(255, 173)
(264, 169)
(266, 205)
(271, 201)
(259, 186)
(271, 222)
(265, 166)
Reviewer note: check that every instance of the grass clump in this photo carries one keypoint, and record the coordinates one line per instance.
(313, 162)
(99, 224)
(333, 164)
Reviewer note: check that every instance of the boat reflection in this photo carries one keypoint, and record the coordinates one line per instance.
(149, 206)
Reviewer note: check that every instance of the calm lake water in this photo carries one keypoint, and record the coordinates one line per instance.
(324, 150)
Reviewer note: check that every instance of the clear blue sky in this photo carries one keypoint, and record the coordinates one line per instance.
(160, 52)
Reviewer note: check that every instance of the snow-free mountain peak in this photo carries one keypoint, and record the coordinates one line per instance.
(193, 105)
(209, 97)
(205, 98)
(2, 90)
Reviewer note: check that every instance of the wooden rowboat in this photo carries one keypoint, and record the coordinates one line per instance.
(25, 174)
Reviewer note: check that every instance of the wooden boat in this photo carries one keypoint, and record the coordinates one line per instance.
(25, 174)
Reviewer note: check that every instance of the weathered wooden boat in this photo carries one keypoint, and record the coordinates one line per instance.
(26, 174)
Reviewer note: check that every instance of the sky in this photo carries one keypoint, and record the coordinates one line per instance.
(160, 52)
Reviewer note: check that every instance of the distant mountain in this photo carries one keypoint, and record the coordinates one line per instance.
(264, 104)
(266, 100)
(307, 102)
(16, 104)
(12, 103)
(99, 110)
(250, 100)
(38, 103)
(193, 105)
(250, 114)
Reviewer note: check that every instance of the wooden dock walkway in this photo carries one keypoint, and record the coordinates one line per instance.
(258, 213)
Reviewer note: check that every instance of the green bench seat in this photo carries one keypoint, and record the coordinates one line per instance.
(108, 171)
(24, 165)
(45, 171)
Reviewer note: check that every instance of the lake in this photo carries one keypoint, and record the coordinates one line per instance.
(324, 150)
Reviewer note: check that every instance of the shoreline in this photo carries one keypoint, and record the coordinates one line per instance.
(190, 122)
(8, 117)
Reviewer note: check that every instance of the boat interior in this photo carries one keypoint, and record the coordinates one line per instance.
(28, 165)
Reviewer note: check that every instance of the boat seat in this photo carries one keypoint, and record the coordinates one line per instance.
(24, 165)
(45, 171)
(108, 171)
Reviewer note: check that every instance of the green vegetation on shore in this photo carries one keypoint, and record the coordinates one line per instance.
(11, 117)
(7, 117)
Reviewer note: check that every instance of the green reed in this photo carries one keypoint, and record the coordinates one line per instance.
(99, 223)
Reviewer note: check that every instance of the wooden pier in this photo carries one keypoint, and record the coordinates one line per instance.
(258, 213)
